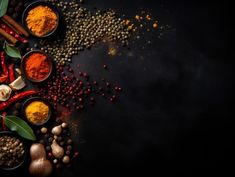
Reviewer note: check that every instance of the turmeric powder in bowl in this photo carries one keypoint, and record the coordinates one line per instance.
(41, 20)
(37, 111)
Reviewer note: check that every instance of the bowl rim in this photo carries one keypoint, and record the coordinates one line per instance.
(37, 3)
(30, 100)
(23, 67)
(13, 134)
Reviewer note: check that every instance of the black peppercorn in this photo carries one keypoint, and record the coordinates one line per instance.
(38, 132)
(50, 139)
(10, 11)
(18, 8)
(59, 138)
(58, 121)
(17, 105)
(69, 141)
(69, 147)
(15, 15)
(15, 113)
(62, 143)
(48, 148)
(13, 2)
(58, 166)
(42, 142)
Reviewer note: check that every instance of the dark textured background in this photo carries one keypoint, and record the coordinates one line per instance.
(174, 116)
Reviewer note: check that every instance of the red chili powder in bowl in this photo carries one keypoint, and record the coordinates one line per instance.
(37, 66)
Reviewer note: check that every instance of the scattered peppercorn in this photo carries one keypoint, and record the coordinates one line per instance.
(79, 89)
(15, 8)
(84, 30)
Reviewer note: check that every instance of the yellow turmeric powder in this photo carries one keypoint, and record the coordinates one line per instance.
(37, 112)
(41, 20)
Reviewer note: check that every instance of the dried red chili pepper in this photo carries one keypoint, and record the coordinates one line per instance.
(11, 72)
(3, 78)
(15, 98)
(4, 66)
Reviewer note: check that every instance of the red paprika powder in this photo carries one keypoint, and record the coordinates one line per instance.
(37, 66)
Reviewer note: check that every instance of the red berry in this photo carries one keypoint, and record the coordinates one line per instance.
(50, 155)
(76, 154)
(105, 66)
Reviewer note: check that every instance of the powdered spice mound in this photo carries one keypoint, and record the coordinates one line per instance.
(37, 66)
(41, 20)
(37, 112)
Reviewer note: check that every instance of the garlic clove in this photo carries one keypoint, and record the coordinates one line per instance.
(57, 150)
(18, 71)
(5, 92)
(18, 84)
(56, 130)
(64, 125)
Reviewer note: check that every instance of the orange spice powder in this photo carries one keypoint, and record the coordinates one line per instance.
(37, 66)
(41, 20)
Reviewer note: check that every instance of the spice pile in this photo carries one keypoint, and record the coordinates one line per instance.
(11, 151)
(37, 112)
(37, 66)
(83, 30)
(41, 20)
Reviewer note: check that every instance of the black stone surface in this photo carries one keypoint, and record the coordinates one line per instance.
(174, 117)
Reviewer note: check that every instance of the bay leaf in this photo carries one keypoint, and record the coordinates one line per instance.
(11, 51)
(3, 7)
(20, 126)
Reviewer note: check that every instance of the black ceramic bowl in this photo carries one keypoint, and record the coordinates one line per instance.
(30, 100)
(43, 3)
(12, 134)
(23, 61)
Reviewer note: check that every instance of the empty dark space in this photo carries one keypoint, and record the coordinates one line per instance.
(174, 117)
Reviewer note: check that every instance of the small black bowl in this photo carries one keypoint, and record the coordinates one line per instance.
(43, 3)
(23, 66)
(12, 134)
(32, 99)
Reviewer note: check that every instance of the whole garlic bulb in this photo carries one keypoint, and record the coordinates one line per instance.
(57, 151)
(5, 92)
(56, 130)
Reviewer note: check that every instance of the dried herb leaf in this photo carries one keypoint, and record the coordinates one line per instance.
(20, 126)
(11, 51)
(3, 7)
